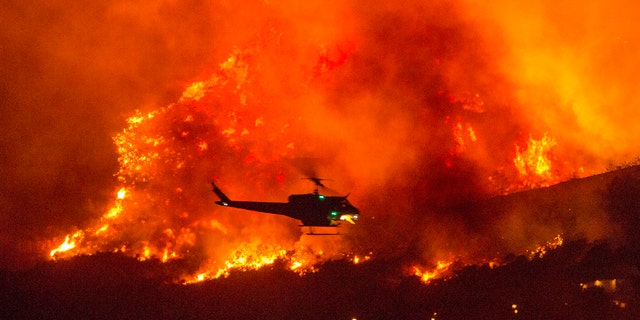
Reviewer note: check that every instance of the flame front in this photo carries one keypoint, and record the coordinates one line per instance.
(163, 209)
(68, 244)
(425, 118)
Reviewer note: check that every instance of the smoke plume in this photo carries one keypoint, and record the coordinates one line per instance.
(418, 109)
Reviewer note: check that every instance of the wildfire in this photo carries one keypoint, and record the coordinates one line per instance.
(445, 268)
(161, 210)
(534, 163)
(228, 125)
(301, 260)
(542, 250)
(249, 257)
(121, 193)
(68, 244)
(356, 259)
(440, 270)
(461, 132)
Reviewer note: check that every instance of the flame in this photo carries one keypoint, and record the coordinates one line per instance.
(462, 132)
(444, 268)
(242, 123)
(356, 259)
(158, 212)
(195, 91)
(541, 250)
(68, 244)
(252, 256)
(121, 193)
(534, 162)
(440, 270)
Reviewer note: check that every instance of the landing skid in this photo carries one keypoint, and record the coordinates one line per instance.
(313, 231)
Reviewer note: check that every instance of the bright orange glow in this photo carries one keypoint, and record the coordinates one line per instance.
(121, 193)
(195, 92)
(383, 118)
(534, 163)
(102, 229)
(114, 211)
(154, 214)
(252, 257)
(146, 253)
(202, 146)
(437, 272)
(68, 244)
(542, 250)
(359, 259)
(463, 134)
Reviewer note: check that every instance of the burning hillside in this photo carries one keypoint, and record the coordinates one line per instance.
(436, 117)
(228, 127)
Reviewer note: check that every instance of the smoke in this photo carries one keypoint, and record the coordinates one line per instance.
(71, 74)
(413, 107)
(574, 70)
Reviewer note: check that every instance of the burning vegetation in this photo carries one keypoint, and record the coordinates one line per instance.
(227, 126)
(468, 140)
(242, 124)
(162, 208)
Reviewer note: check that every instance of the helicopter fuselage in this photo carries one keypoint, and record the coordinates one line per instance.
(312, 209)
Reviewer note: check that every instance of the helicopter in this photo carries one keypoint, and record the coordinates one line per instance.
(312, 209)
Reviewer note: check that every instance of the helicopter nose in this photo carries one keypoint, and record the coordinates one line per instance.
(350, 214)
(355, 214)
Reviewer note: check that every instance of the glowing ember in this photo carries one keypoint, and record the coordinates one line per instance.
(121, 193)
(359, 259)
(541, 250)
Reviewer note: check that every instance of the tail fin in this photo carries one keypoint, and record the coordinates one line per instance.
(224, 200)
